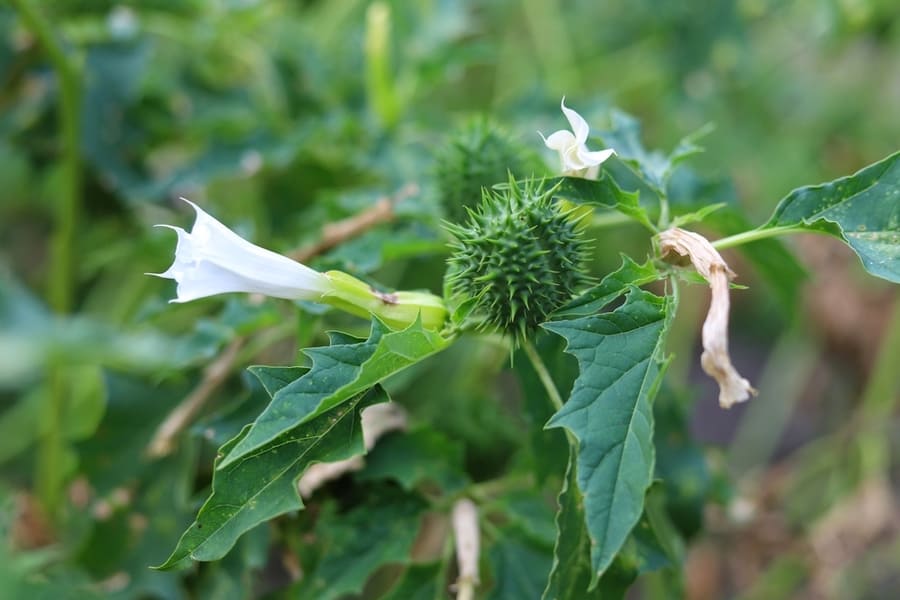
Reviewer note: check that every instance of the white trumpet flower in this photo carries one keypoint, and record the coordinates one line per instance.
(574, 155)
(212, 259)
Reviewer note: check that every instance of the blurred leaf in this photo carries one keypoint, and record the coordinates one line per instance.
(690, 193)
(519, 565)
(261, 486)
(862, 209)
(339, 372)
(531, 514)
(111, 76)
(419, 582)
(227, 422)
(379, 532)
(114, 455)
(140, 527)
(776, 265)
(680, 464)
(610, 413)
(697, 215)
(20, 423)
(370, 251)
(420, 456)
(654, 167)
(32, 339)
(85, 401)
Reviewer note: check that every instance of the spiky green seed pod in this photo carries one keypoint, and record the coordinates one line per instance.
(477, 156)
(519, 257)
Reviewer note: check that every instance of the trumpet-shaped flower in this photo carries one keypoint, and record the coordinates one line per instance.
(574, 155)
(212, 259)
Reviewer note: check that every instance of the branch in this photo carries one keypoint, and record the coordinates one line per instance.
(214, 375)
(334, 234)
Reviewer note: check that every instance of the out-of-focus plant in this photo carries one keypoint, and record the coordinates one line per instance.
(449, 361)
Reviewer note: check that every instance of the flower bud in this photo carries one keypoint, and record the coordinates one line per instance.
(477, 156)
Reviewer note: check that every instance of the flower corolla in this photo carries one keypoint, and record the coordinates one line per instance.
(574, 155)
(212, 259)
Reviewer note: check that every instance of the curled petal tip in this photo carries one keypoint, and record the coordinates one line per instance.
(574, 155)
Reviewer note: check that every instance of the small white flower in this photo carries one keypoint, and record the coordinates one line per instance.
(576, 159)
(212, 259)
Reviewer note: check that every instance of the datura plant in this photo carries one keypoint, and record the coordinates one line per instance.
(520, 248)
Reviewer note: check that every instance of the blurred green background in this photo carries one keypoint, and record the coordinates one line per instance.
(281, 117)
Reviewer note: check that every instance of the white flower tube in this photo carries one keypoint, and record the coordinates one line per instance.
(574, 155)
(212, 259)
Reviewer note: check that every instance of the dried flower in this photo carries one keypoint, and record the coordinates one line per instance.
(715, 359)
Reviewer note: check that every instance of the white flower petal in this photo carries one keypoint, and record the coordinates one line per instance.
(597, 157)
(559, 140)
(575, 158)
(576, 122)
(212, 259)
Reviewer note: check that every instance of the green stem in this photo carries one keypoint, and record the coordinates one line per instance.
(663, 223)
(379, 81)
(62, 278)
(757, 234)
(51, 454)
(543, 374)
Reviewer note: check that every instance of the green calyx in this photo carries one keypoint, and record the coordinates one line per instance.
(519, 258)
(477, 156)
(398, 310)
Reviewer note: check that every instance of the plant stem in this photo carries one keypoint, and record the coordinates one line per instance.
(757, 234)
(50, 460)
(663, 211)
(543, 374)
(62, 278)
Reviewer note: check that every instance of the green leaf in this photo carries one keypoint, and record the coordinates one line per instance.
(379, 532)
(680, 462)
(572, 573)
(410, 459)
(652, 544)
(419, 582)
(602, 192)
(610, 287)
(609, 413)
(261, 486)
(654, 167)
(339, 372)
(697, 215)
(774, 263)
(520, 566)
(863, 209)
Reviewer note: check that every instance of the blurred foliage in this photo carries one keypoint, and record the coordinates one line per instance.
(284, 117)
